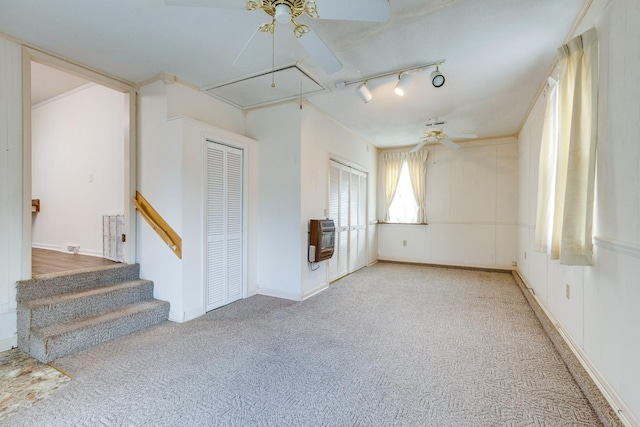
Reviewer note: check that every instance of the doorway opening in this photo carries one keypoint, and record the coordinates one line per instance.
(78, 131)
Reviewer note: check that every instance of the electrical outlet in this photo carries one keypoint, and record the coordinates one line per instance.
(404, 243)
(567, 291)
(514, 263)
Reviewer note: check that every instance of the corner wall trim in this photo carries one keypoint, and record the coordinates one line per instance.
(591, 390)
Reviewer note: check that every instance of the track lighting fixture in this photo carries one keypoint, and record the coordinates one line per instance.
(363, 91)
(404, 80)
(437, 79)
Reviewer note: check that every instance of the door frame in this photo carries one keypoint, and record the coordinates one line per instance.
(227, 139)
(351, 165)
(129, 90)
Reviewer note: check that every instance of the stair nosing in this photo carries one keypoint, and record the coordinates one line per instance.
(69, 296)
(78, 323)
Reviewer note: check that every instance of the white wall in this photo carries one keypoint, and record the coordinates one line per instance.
(77, 166)
(11, 188)
(472, 209)
(322, 139)
(159, 182)
(295, 148)
(278, 130)
(170, 177)
(600, 316)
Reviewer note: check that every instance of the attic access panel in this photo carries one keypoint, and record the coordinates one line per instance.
(256, 91)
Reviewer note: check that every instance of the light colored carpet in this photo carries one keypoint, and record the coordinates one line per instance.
(389, 345)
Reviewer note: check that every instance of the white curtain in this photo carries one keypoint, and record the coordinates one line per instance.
(390, 167)
(547, 172)
(575, 156)
(417, 164)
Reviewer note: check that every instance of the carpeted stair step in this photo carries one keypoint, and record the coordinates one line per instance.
(45, 311)
(65, 282)
(54, 341)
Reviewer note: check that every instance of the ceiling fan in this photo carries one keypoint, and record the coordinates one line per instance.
(285, 12)
(435, 134)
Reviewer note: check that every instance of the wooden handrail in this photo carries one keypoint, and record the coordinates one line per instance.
(158, 224)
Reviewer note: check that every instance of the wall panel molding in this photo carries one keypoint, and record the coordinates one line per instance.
(618, 246)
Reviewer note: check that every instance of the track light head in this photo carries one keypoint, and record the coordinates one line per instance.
(363, 92)
(437, 79)
(404, 80)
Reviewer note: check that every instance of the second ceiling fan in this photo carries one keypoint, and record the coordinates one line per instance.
(436, 134)
(285, 12)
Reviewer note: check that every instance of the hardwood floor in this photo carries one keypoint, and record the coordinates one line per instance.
(45, 261)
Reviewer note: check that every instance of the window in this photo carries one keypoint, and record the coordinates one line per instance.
(403, 208)
(566, 180)
(403, 178)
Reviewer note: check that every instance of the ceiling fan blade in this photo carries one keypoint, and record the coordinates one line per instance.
(419, 146)
(449, 143)
(320, 52)
(220, 4)
(462, 135)
(254, 48)
(355, 10)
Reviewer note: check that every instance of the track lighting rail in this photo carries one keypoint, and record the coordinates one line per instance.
(391, 73)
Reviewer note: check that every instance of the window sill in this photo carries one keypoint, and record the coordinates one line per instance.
(403, 223)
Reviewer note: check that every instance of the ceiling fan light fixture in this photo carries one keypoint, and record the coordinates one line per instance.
(283, 13)
(364, 93)
(404, 80)
(437, 78)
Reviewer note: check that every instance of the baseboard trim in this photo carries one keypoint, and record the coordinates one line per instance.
(315, 291)
(8, 329)
(58, 248)
(8, 343)
(176, 317)
(279, 294)
(459, 267)
(185, 316)
(608, 406)
(46, 246)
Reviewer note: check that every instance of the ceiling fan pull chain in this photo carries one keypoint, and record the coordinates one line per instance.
(273, 59)
(311, 9)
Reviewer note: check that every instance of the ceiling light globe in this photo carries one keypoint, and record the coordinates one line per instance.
(283, 13)
(437, 79)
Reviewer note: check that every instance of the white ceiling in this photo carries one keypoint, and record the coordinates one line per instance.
(48, 82)
(497, 52)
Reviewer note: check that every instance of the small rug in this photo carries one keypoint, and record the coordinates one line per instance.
(25, 381)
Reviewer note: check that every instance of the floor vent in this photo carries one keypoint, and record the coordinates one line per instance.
(113, 237)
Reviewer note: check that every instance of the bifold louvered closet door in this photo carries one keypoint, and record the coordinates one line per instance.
(224, 225)
(348, 209)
